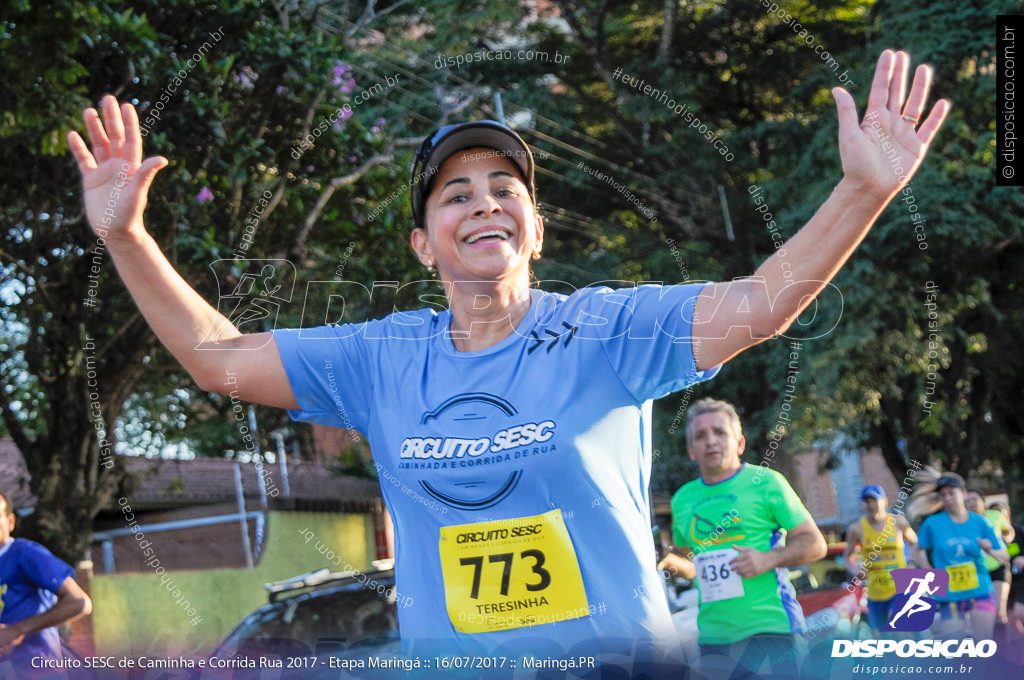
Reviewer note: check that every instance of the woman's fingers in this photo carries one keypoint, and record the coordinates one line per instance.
(879, 95)
(116, 136)
(133, 138)
(846, 109)
(918, 92)
(918, 99)
(898, 81)
(86, 162)
(97, 135)
(888, 90)
(932, 124)
(114, 124)
(147, 171)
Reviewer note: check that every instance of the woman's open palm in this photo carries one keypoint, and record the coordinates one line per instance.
(115, 180)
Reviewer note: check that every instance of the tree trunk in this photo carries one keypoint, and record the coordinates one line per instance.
(667, 29)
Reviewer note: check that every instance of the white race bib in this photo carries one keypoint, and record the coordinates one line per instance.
(717, 579)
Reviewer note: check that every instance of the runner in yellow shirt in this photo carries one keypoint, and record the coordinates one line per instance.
(881, 538)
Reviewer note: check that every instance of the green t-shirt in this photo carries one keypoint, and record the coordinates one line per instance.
(750, 509)
(999, 523)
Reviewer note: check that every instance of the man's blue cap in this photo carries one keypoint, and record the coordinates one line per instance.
(872, 491)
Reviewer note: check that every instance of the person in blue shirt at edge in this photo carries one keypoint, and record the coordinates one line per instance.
(37, 593)
(958, 540)
(513, 410)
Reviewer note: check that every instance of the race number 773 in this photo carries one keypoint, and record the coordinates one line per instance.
(506, 559)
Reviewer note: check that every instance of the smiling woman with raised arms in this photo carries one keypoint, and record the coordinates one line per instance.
(516, 412)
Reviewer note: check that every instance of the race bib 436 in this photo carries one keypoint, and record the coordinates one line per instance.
(717, 579)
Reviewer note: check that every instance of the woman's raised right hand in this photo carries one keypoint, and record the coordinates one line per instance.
(115, 179)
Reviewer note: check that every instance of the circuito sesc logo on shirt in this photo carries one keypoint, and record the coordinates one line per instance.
(484, 442)
(914, 605)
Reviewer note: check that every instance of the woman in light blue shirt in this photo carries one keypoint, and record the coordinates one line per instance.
(957, 540)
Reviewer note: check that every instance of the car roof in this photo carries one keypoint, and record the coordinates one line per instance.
(325, 578)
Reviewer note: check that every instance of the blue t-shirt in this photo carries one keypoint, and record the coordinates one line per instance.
(30, 577)
(547, 419)
(953, 544)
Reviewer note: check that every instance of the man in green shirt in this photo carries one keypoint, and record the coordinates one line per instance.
(730, 524)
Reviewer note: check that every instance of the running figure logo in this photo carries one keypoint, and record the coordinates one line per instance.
(914, 610)
(251, 296)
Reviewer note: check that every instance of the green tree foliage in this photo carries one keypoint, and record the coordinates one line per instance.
(932, 378)
(231, 124)
(756, 84)
(765, 85)
(337, 211)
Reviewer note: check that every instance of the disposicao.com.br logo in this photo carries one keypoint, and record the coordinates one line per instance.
(913, 609)
(916, 648)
